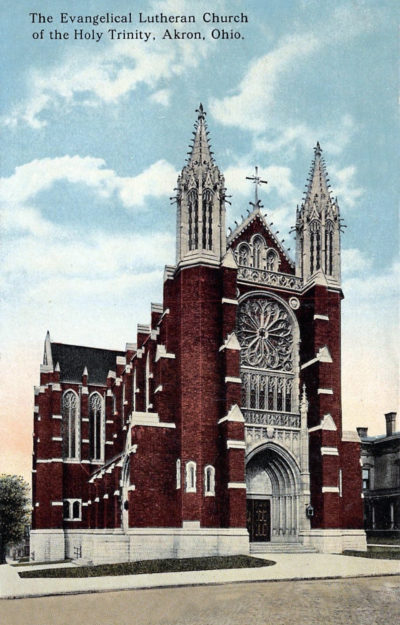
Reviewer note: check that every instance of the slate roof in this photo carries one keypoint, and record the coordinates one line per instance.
(74, 358)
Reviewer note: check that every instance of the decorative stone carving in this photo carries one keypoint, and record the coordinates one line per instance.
(271, 278)
(265, 334)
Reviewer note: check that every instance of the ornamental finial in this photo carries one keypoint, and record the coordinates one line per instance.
(201, 112)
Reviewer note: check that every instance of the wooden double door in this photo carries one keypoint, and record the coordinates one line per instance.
(259, 519)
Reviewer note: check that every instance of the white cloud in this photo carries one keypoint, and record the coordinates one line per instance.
(112, 71)
(344, 185)
(21, 188)
(353, 261)
(161, 97)
(249, 108)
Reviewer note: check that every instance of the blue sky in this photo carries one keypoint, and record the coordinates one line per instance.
(95, 134)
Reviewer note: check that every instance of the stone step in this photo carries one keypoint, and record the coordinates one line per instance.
(268, 547)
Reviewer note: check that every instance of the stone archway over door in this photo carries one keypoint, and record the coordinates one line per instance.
(272, 483)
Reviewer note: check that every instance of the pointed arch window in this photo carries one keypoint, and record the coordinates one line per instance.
(178, 474)
(96, 426)
(190, 477)
(244, 254)
(258, 248)
(272, 260)
(329, 247)
(315, 246)
(70, 425)
(209, 481)
(207, 219)
(193, 219)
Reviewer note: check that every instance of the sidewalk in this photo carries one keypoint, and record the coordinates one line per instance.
(288, 567)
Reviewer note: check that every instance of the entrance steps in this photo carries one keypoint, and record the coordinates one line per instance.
(268, 547)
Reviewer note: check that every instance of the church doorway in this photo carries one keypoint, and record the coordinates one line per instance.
(273, 494)
(259, 520)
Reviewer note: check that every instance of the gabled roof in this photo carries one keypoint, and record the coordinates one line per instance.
(74, 358)
(256, 214)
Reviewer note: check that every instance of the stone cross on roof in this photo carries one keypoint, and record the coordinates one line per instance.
(257, 182)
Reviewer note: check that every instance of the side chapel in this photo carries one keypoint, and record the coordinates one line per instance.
(220, 429)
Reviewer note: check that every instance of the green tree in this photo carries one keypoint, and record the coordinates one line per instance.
(14, 511)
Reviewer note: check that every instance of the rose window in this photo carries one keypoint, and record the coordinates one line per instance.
(265, 334)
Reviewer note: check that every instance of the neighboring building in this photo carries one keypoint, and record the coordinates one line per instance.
(380, 457)
(223, 422)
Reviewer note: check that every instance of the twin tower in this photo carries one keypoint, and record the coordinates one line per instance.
(219, 430)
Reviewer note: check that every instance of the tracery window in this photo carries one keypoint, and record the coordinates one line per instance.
(96, 426)
(70, 425)
(265, 330)
(209, 480)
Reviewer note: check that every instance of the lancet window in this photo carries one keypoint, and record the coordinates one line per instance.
(329, 247)
(207, 219)
(70, 425)
(209, 480)
(272, 260)
(193, 219)
(315, 246)
(258, 249)
(96, 426)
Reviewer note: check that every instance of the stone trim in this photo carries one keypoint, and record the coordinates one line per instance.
(235, 444)
(226, 300)
(56, 439)
(321, 317)
(236, 484)
(229, 378)
(56, 416)
(44, 460)
(330, 489)
(161, 352)
(325, 391)
(234, 415)
(329, 451)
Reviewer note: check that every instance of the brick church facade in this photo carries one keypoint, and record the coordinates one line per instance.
(221, 426)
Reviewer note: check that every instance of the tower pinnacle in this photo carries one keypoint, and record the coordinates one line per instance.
(318, 226)
(200, 202)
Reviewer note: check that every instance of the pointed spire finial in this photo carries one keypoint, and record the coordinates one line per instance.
(318, 149)
(201, 112)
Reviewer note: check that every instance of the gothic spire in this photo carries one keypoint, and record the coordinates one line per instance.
(318, 187)
(200, 152)
(200, 203)
(318, 226)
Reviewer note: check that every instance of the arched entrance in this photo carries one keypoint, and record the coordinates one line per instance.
(273, 494)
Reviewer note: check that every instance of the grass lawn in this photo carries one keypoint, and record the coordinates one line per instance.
(153, 566)
(382, 554)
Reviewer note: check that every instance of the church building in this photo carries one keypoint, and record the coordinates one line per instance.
(220, 430)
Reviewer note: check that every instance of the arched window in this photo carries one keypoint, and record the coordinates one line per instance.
(192, 214)
(76, 510)
(315, 246)
(209, 481)
(66, 507)
(258, 248)
(272, 260)
(96, 427)
(190, 474)
(178, 473)
(134, 390)
(70, 430)
(207, 219)
(329, 247)
(244, 254)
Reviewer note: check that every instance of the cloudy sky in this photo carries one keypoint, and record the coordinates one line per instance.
(94, 134)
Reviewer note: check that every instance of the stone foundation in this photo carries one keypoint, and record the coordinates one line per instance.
(334, 540)
(107, 546)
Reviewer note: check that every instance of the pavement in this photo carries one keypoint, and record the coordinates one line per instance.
(287, 567)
